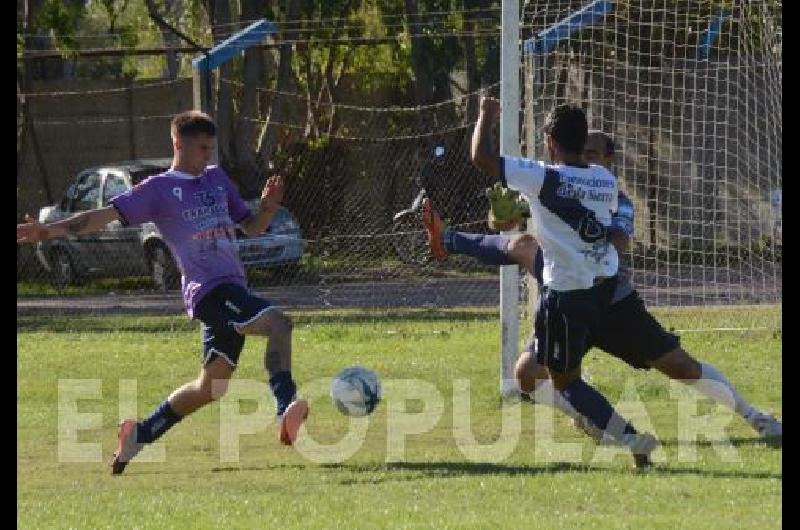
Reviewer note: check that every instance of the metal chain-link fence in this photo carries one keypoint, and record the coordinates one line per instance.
(699, 142)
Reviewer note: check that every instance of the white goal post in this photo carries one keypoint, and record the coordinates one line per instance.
(691, 92)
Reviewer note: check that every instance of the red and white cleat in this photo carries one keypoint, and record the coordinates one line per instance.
(293, 417)
(127, 447)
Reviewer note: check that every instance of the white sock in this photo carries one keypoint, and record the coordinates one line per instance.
(709, 384)
(547, 394)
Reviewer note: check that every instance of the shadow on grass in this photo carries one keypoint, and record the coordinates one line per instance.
(389, 316)
(456, 469)
(99, 323)
(104, 324)
(772, 443)
(405, 471)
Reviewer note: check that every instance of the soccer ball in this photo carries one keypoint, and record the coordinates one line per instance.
(356, 391)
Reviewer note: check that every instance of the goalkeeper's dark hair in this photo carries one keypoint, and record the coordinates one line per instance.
(567, 125)
(611, 146)
(192, 123)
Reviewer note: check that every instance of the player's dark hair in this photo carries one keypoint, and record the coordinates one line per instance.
(192, 123)
(567, 125)
(611, 146)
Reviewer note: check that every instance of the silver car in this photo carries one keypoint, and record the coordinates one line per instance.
(118, 251)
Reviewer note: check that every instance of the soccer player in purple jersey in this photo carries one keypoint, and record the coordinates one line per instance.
(196, 208)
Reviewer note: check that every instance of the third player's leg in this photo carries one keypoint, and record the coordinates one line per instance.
(522, 249)
(678, 364)
(629, 332)
(528, 372)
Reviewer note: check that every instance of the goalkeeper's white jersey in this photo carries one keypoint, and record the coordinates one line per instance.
(568, 206)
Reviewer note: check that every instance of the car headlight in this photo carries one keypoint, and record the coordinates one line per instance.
(280, 227)
(283, 224)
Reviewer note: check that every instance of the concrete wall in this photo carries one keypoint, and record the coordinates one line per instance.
(700, 143)
(94, 126)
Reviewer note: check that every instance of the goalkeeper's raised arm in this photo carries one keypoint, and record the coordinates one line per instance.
(484, 152)
(507, 211)
(516, 173)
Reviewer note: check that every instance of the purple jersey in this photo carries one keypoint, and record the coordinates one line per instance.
(196, 216)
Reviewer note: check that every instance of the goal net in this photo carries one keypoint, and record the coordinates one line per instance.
(690, 91)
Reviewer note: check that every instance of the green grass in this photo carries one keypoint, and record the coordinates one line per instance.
(433, 486)
(303, 275)
(95, 286)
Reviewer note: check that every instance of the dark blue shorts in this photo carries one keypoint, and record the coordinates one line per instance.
(564, 323)
(224, 309)
(629, 332)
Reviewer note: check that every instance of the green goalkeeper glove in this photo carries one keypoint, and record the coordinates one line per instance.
(507, 206)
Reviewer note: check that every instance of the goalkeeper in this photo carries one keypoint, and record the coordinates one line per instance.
(627, 331)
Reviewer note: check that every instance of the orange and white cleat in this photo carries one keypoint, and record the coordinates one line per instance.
(293, 417)
(127, 447)
(434, 227)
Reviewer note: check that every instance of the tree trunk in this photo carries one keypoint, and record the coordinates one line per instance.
(31, 7)
(473, 75)
(174, 8)
(219, 14)
(423, 84)
(41, 68)
(269, 135)
(69, 65)
(20, 120)
(333, 125)
(303, 52)
(491, 68)
(169, 38)
(331, 80)
(250, 174)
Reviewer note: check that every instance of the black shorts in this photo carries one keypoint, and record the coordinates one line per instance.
(564, 322)
(225, 308)
(628, 332)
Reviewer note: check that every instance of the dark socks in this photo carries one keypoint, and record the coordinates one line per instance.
(593, 405)
(283, 388)
(487, 248)
(162, 419)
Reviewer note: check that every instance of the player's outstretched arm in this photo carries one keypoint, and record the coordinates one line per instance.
(271, 199)
(483, 153)
(620, 240)
(621, 229)
(79, 224)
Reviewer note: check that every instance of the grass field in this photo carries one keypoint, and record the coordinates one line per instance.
(434, 485)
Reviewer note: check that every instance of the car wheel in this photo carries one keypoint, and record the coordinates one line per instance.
(63, 271)
(163, 269)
